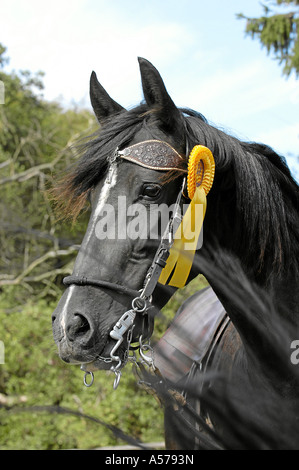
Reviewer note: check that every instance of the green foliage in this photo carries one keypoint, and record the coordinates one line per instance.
(278, 32)
(33, 375)
(3, 60)
(35, 143)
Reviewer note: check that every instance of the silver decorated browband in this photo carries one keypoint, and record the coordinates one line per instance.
(154, 154)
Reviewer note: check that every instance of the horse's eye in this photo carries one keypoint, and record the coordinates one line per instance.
(150, 190)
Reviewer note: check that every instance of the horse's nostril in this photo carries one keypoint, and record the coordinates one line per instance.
(77, 327)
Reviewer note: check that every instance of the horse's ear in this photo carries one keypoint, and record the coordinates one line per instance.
(103, 105)
(156, 96)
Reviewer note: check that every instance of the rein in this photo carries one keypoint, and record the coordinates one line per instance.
(159, 156)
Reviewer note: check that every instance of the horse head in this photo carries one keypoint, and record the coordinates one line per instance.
(133, 168)
(136, 163)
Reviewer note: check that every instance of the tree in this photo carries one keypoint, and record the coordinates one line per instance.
(277, 30)
(36, 139)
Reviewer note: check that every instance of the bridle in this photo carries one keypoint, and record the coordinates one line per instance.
(154, 155)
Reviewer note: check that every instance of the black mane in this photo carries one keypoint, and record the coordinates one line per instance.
(255, 179)
(256, 410)
(264, 222)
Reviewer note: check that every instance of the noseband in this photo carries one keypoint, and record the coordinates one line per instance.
(158, 156)
(112, 288)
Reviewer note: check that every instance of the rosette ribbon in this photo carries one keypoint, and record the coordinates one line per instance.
(201, 171)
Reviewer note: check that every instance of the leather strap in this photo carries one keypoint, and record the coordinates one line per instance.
(154, 154)
(122, 294)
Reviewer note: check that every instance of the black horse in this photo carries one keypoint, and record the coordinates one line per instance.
(141, 155)
(251, 399)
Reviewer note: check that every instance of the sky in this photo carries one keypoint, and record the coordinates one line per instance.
(199, 47)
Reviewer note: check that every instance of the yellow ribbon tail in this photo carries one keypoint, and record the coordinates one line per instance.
(185, 242)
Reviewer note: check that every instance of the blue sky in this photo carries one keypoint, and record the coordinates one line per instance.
(199, 47)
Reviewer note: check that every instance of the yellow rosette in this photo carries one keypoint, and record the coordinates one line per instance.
(201, 171)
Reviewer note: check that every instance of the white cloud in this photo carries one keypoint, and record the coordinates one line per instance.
(251, 101)
(241, 90)
(68, 41)
(283, 137)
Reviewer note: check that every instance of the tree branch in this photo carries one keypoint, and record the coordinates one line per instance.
(49, 255)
